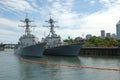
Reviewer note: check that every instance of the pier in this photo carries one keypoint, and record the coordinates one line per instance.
(100, 51)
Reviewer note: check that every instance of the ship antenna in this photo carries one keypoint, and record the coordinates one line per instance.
(27, 26)
(51, 22)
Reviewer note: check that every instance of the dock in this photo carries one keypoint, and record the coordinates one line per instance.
(100, 51)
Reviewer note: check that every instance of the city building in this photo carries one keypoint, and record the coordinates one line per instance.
(102, 33)
(118, 30)
(88, 36)
(108, 35)
(113, 36)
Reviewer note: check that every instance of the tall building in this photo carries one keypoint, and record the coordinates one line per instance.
(108, 35)
(102, 33)
(118, 30)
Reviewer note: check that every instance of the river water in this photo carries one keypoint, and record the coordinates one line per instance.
(13, 67)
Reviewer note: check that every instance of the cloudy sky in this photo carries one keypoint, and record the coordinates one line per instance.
(74, 17)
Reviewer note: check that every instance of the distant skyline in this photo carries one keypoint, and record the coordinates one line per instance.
(74, 17)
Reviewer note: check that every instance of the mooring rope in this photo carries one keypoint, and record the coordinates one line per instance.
(68, 65)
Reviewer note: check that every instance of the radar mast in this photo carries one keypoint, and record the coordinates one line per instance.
(51, 22)
(27, 25)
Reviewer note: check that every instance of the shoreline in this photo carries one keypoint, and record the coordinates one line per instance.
(100, 51)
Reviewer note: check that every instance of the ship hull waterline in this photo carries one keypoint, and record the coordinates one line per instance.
(31, 51)
(71, 50)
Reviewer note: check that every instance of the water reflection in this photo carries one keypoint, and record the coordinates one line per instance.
(13, 68)
(31, 70)
(100, 61)
(34, 71)
(56, 59)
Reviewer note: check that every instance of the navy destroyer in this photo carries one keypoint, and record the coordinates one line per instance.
(29, 44)
(55, 46)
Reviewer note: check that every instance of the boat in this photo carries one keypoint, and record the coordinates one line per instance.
(29, 45)
(55, 46)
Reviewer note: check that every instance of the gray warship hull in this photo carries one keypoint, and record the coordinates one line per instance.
(65, 50)
(31, 51)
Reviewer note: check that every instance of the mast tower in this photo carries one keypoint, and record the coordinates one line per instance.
(51, 22)
(27, 25)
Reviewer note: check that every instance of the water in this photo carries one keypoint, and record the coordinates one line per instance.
(13, 68)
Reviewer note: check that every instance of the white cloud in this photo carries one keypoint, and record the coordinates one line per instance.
(93, 2)
(7, 22)
(109, 3)
(64, 33)
(8, 30)
(8, 36)
(71, 22)
(50, 0)
(105, 19)
(64, 14)
(15, 5)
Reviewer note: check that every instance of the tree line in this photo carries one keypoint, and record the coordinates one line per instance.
(96, 42)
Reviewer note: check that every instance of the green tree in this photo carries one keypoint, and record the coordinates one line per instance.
(100, 42)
